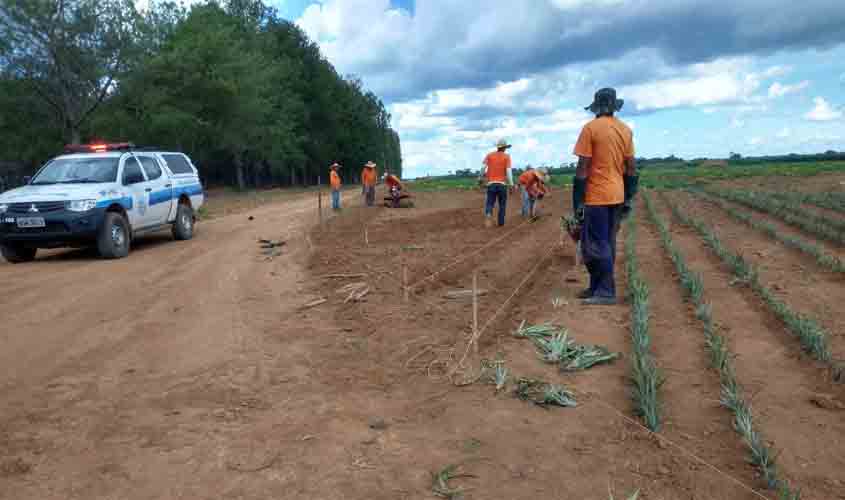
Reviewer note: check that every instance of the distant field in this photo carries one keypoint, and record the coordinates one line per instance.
(668, 177)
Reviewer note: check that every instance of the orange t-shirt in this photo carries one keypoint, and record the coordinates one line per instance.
(498, 164)
(527, 178)
(608, 142)
(334, 179)
(532, 182)
(368, 176)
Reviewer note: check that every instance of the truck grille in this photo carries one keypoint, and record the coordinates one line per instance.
(42, 206)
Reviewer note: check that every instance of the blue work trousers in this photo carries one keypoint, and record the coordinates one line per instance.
(497, 193)
(598, 246)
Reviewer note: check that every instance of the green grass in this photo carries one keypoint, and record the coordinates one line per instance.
(731, 395)
(647, 379)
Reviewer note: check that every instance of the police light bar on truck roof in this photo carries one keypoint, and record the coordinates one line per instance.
(99, 148)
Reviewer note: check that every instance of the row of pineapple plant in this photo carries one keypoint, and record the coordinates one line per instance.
(825, 260)
(796, 206)
(732, 396)
(789, 213)
(829, 200)
(647, 379)
(812, 336)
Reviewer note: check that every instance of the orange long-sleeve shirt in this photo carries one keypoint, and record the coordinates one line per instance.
(334, 180)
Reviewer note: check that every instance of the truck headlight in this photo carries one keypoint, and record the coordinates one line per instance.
(81, 205)
(3, 208)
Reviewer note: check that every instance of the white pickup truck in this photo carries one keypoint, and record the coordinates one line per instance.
(104, 195)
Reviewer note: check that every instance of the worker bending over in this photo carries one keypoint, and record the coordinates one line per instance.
(533, 185)
(394, 189)
(603, 191)
(368, 183)
(497, 171)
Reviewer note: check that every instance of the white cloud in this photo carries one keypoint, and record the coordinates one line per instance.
(784, 133)
(777, 71)
(756, 141)
(737, 123)
(779, 90)
(724, 81)
(823, 111)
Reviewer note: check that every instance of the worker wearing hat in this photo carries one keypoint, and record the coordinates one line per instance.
(394, 189)
(533, 183)
(335, 183)
(603, 191)
(368, 181)
(497, 171)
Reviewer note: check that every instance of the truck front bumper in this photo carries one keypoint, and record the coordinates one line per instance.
(61, 229)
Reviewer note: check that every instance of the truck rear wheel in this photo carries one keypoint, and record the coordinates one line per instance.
(113, 240)
(17, 253)
(183, 228)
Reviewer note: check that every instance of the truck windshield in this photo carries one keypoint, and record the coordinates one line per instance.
(78, 171)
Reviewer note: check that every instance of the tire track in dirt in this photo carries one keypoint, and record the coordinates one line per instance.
(780, 381)
(793, 277)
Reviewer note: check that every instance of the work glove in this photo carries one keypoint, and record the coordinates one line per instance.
(579, 191)
(631, 187)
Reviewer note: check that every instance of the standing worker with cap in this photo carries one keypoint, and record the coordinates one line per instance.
(603, 191)
(368, 181)
(497, 171)
(334, 182)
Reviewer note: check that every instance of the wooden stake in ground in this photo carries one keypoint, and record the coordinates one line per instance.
(405, 282)
(475, 311)
(320, 200)
(366, 235)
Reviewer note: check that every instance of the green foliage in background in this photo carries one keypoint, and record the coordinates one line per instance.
(244, 92)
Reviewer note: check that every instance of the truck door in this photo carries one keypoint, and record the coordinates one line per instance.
(160, 189)
(134, 182)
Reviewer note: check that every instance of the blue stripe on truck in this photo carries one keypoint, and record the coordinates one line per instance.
(125, 202)
(174, 193)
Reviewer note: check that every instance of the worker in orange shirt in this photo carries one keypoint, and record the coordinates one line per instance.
(334, 181)
(368, 181)
(604, 187)
(394, 189)
(497, 171)
(533, 184)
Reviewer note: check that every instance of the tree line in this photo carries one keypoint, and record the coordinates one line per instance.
(242, 91)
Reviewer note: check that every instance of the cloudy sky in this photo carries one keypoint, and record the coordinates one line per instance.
(699, 77)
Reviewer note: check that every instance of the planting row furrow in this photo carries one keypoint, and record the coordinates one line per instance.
(813, 338)
(645, 376)
(822, 258)
(732, 398)
(789, 213)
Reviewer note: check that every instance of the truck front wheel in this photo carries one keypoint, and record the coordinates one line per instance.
(113, 240)
(17, 253)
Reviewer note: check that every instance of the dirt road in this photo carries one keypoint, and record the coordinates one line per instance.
(103, 360)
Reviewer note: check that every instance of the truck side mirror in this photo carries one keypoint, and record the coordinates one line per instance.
(27, 179)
